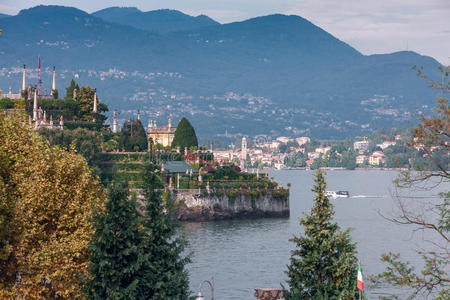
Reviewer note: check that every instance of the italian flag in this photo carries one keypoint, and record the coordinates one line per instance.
(360, 282)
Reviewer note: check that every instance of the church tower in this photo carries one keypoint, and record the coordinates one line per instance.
(244, 149)
(114, 127)
(24, 79)
(243, 164)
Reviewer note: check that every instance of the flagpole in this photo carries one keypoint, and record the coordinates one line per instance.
(359, 294)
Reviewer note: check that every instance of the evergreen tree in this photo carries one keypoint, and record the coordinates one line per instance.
(133, 136)
(117, 256)
(70, 88)
(185, 135)
(165, 273)
(323, 265)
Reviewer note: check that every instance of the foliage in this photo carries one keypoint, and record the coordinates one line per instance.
(117, 258)
(431, 216)
(82, 140)
(133, 136)
(324, 264)
(50, 198)
(296, 160)
(70, 88)
(55, 94)
(185, 135)
(166, 272)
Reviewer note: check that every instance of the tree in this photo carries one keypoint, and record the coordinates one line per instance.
(51, 198)
(70, 88)
(432, 216)
(117, 257)
(324, 264)
(84, 141)
(85, 100)
(133, 136)
(185, 135)
(165, 272)
(55, 94)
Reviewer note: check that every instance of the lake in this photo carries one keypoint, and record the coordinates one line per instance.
(246, 254)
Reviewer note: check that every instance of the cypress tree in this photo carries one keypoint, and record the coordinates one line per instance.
(185, 135)
(70, 88)
(323, 264)
(117, 257)
(164, 271)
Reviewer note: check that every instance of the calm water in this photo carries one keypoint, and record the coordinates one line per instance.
(246, 254)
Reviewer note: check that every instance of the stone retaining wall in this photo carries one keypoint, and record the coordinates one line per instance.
(196, 205)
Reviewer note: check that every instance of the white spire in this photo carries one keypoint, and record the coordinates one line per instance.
(54, 80)
(139, 115)
(244, 148)
(95, 103)
(114, 128)
(35, 109)
(170, 123)
(24, 79)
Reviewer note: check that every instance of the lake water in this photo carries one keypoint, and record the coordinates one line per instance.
(246, 254)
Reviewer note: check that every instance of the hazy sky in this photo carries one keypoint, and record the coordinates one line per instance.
(371, 26)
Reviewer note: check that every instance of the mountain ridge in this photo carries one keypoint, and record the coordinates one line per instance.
(161, 20)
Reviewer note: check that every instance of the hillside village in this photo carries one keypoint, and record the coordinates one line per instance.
(379, 150)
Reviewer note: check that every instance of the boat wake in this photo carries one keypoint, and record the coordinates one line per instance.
(368, 196)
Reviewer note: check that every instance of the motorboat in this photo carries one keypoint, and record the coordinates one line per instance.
(338, 194)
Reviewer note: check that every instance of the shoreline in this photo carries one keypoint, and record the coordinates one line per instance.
(341, 169)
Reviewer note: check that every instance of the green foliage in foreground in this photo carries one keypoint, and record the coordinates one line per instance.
(117, 257)
(323, 264)
(167, 276)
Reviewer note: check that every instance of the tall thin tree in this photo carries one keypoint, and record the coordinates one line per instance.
(323, 264)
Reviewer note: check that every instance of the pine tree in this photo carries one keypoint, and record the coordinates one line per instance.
(185, 135)
(324, 264)
(165, 271)
(117, 257)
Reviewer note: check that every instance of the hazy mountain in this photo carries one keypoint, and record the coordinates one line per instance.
(161, 21)
(276, 74)
(3, 15)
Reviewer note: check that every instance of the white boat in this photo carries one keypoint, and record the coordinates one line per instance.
(337, 194)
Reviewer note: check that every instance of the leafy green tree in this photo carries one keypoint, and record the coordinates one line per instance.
(133, 136)
(165, 272)
(117, 258)
(84, 141)
(48, 198)
(349, 160)
(85, 100)
(432, 216)
(185, 135)
(323, 264)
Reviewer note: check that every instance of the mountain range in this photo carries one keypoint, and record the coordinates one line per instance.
(273, 75)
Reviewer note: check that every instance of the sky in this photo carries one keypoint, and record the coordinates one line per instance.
(370, 26)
